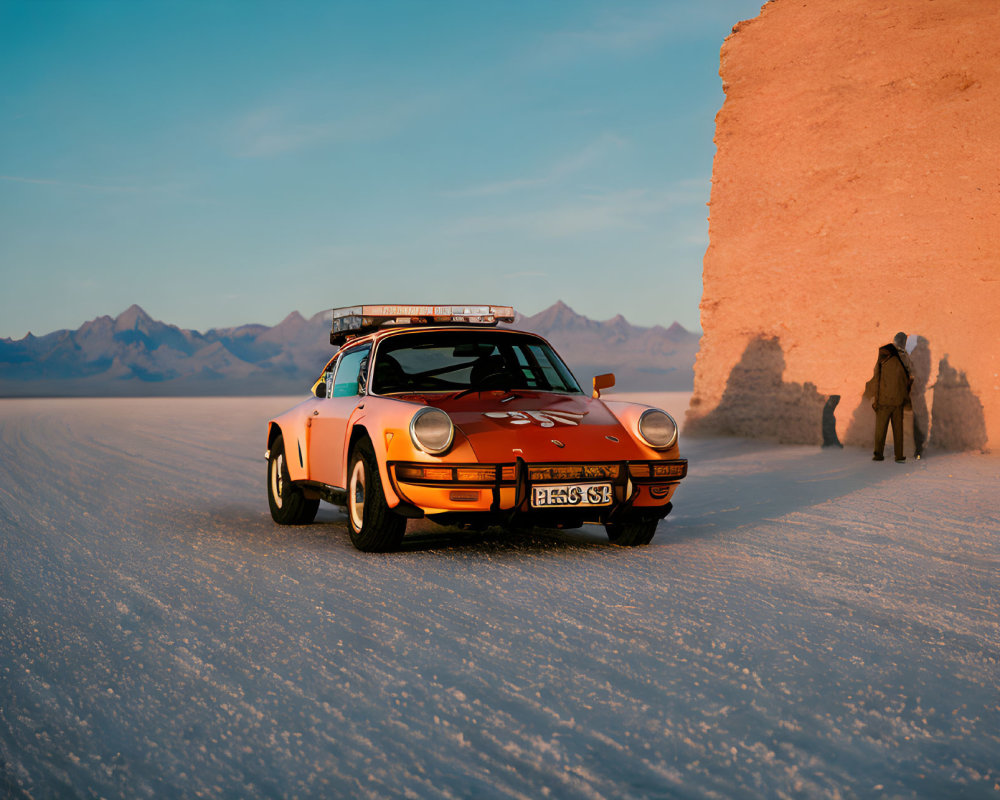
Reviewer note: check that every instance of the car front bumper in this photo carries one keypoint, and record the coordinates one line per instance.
(637, 488)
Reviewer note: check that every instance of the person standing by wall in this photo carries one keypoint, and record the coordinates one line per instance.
(889, 390)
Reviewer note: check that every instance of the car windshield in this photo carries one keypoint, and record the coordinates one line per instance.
(458, 361)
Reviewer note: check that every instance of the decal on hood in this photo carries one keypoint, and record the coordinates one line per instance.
(547, 419)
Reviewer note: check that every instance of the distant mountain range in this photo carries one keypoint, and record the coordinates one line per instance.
(643, 359)
(136, 355)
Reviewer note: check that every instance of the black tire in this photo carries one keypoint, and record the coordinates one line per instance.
(289, 506)
(631, 534)
(373, 525)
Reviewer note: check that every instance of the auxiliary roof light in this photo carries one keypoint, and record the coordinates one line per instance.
(352, 321)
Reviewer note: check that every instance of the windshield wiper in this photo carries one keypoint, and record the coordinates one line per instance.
(506, 389)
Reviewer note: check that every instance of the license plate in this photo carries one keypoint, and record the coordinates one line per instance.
(571, 494)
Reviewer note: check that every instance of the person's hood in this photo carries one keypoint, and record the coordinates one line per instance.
(887, 351)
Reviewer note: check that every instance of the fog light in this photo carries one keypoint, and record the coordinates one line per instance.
(668, 470)
(473, 474)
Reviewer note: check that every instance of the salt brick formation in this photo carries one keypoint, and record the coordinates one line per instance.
(856, 193)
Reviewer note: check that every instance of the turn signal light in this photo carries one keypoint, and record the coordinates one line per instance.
(424, 473)
(410, 473)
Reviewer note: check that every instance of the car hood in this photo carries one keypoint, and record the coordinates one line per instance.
(537, 426)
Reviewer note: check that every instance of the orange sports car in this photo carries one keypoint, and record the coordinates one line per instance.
(434, 411)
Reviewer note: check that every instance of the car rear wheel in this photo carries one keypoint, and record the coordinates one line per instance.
(289, 506)
(631, 534)
(374, 526)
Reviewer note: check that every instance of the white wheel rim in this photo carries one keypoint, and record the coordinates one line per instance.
(356, 495)
(277, 482)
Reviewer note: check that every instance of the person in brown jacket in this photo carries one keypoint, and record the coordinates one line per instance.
(889, 390)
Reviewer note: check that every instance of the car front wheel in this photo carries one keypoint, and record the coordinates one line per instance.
(374, 526)
(289, 506)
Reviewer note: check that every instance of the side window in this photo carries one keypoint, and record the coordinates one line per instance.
(345, 381)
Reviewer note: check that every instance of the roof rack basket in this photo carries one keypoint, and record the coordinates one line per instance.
(353, 321)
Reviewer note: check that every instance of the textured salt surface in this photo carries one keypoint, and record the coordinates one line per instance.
(807, 623)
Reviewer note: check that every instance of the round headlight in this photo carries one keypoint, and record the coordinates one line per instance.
(431, 430)
(657, 428)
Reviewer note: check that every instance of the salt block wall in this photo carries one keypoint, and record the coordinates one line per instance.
(856, 193)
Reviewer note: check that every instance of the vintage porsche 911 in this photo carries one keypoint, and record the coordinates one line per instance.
(435, 411)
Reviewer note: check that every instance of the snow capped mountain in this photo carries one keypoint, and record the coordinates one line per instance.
(134, 354)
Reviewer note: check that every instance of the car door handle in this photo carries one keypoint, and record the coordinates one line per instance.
(316, 413)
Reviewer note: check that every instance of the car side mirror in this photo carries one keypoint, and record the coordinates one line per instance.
(320, 390)
(605, 381)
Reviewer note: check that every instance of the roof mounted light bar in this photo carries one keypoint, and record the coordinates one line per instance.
(353, 321)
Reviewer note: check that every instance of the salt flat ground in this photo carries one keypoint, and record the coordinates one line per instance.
(806, 624)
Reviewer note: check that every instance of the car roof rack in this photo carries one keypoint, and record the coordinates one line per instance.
(353, 321)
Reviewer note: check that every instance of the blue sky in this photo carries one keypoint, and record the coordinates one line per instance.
(228, 162)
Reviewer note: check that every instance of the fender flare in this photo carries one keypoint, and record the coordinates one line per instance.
(356, 431)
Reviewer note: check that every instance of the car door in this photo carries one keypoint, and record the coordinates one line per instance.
(330, 416)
